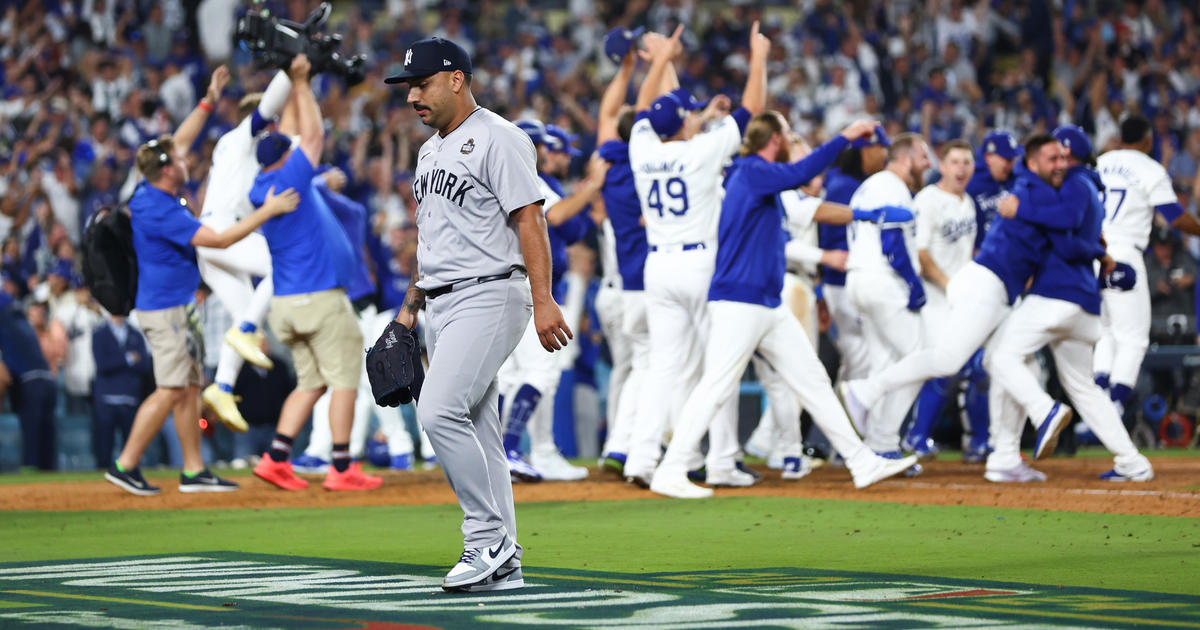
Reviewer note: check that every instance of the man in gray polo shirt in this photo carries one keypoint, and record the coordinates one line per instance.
(481, 235)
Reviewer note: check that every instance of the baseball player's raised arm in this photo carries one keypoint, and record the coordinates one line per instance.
(771, 177)
(552, 329)
(191, 126)
(308, 113)
(614, 96)
(754, 95)
(661, 50)
(272, 103)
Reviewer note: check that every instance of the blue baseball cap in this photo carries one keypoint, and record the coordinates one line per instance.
(1002, 143)
(535, 129)
(430, 56)
(879, 138)
(688, 101)
(666, 115)
(563, 141)
(1076, 141)
(271, 146)
(619, 40)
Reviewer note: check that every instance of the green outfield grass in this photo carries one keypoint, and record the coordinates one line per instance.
(1057, 548)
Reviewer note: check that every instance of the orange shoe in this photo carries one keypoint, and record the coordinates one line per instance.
(278, 474)
(353, 479)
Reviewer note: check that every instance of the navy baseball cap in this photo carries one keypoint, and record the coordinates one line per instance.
(666, 115)
(271, 146)
(688, 101)
(564, 140)
(426, 57)
(879, 138)
(1002, 143)
(619, 40)
(535, 129)
(1076, 141)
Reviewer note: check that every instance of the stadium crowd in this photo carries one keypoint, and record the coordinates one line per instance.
(86, 82)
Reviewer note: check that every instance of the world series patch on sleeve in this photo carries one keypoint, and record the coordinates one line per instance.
(394, 366)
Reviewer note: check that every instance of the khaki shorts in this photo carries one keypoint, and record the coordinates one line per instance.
(176, 345)
(323, 333)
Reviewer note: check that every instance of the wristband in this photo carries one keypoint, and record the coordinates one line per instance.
(205, 106)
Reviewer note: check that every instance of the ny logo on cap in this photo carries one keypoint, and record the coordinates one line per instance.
(408, 57)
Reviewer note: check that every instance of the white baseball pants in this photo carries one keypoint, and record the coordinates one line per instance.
(850, 341)
(229, 273)
(892, 333)
(1125, 323)
(623, 315)
(1071, 333)
(978, 303)
(779, 425)
(781, 340)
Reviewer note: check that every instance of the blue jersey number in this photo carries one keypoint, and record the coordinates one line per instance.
(1112, 213)
(675, 189)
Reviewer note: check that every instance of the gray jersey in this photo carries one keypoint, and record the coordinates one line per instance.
(466, 185)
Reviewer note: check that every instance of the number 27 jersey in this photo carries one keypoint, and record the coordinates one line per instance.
(1134, 184)
(679, 183)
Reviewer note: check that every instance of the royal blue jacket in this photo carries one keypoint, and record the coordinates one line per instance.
(986, 192)
(625, 213)
(22, 354)
(115, 376)
(1014, 249)
(353, 218)
(839, 188)
(750, 237)
(1068, 272)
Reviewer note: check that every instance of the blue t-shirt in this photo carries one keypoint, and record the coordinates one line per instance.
(353, 218)
(625, 213)
(309, 250)
(839, 188)
(162, 238)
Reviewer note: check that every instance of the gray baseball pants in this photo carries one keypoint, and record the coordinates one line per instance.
(469, 334)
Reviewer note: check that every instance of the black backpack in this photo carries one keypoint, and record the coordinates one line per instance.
(109, 261)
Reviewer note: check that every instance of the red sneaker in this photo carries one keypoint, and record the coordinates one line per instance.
(353, 479)
(278, 474)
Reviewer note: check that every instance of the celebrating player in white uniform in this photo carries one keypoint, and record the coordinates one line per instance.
(946, 225)
(884, 284)
(1135, 188)
(677, 174)
(746, 313)
(230, 272)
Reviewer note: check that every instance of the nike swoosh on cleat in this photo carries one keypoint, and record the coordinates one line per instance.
(495, 552)
(497, 576)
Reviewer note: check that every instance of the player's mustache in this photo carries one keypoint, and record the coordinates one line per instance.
(420, 108)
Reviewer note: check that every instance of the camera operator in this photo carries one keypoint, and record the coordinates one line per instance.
(165, 235)
(229, 272)
(312, 262)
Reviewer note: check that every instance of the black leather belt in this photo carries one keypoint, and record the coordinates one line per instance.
(462, 284)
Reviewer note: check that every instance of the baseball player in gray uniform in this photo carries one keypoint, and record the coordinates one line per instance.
(482, 233)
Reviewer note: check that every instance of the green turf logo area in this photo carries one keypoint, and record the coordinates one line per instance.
(262, 591)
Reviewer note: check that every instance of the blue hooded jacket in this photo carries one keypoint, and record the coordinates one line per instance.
(1068, 272)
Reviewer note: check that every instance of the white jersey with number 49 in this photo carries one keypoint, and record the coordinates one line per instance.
(679, 183)
(1134, 184)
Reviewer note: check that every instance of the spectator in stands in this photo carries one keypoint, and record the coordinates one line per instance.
(33, 390)
(1171, 276)
(122, 363)
(79, 319)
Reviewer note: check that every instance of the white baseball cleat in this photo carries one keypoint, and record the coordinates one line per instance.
(677, 486)
(554, 467)
(1021, 473)
(795, 468)
(506, 578)
(732, 478)
(880, 468)
(856, 410)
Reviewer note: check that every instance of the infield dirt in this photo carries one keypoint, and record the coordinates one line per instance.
(1072, 486)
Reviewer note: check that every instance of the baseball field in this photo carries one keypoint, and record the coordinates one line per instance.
(946, 549)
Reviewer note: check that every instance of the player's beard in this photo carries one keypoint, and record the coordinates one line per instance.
(784, 154)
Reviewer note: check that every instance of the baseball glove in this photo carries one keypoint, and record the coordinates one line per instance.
(394, 366)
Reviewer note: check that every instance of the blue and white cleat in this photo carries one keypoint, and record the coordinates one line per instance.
(1145, 474)
(404, 461)
(795, 468)
(911, 471)
(520, 469)
(924, 449)
(310, 464)
(1048, 432)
